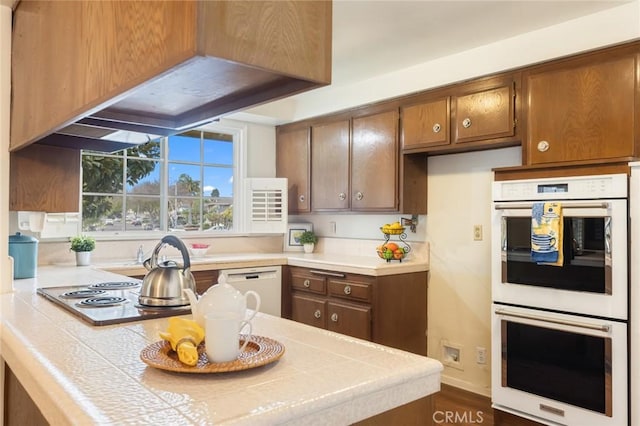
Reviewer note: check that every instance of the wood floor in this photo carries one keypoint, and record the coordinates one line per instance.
(453, 406)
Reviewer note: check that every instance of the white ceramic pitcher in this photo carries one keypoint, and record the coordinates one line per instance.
(221, 297)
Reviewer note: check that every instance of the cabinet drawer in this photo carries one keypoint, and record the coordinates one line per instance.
(309, 283)
(350, 290)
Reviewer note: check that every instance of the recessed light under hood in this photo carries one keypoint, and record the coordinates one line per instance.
(102, 135)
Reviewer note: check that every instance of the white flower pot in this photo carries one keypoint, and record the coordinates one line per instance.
(308, 248)
(83, 258)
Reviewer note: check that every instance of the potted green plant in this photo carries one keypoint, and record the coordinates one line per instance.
(308, 240)
(83, 245)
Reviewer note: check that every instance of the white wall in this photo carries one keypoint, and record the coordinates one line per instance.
(460, 273)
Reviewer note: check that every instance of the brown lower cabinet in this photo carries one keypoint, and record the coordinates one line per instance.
(390, 310)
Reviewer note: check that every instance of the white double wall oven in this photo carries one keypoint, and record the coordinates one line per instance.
(560, 333)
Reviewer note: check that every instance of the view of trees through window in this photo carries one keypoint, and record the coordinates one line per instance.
(182, 182)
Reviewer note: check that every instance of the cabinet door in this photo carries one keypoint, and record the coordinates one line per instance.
(330, 166)
(45, 178)
(487, 114)
(293, 161)
(309, 310)
(581, 113)
(352, 320)
(374, 162)
(426, 124)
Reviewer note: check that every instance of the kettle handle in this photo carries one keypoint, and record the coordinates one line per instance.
(176, 242)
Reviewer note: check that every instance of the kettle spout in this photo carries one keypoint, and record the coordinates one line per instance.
(193, 299)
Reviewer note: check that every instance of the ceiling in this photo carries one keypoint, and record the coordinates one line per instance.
(373, 37)
(377, 37)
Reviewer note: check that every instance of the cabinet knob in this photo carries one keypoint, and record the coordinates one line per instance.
(306, 283)
(301, 198)
(436, 128)
(359, 195)
(317, 313)
(543, 146)
(342, 196)
(466, 123)
(334, 317)
(347, 289)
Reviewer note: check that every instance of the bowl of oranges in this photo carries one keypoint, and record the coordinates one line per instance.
(391, 251)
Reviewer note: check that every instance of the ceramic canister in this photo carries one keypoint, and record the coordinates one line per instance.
(24, 250)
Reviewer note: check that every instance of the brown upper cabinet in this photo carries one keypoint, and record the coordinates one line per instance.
(354, 163)
(330, 181)
(466, 116)
(426, 124)
(582, 108)
(164, 65)
(374, 162)
(44, 178)
(293, 161)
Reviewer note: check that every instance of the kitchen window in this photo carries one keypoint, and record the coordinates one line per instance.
(178, 183)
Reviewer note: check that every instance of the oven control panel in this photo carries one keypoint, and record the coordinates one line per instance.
(569, 188)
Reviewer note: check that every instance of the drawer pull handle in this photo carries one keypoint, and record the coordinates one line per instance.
(342, 196)
(317, 313)
(437, 128)
(306, 283)
(327, 273)
(347, 289)
(359, 196)
(466, 123)
(302, 198)
(334, 317)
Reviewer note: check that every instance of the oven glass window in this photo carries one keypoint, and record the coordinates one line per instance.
(563, 366)
(584, 256)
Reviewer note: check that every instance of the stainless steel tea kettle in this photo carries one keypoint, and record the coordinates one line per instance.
(164, 283)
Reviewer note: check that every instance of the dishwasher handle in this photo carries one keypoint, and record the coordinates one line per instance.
(250, 275)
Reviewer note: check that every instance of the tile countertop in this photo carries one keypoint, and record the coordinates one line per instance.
(82, 374)
(365, 265)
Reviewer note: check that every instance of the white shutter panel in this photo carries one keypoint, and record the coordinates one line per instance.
(267, 202)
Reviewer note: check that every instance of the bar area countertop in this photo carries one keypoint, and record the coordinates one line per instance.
(82, 374)
(365, 265)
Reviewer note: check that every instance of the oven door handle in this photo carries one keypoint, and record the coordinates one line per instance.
(603, 327)
(522, 206)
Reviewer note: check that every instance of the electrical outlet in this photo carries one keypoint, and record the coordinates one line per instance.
(481, 355)
(477, 232)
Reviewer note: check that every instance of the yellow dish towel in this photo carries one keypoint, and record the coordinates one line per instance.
(546, 234)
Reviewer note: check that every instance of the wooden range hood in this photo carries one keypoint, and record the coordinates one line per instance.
(84, 69)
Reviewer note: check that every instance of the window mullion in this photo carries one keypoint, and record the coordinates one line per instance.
(164, 184)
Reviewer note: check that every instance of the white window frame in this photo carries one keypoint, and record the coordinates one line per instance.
(239, 135)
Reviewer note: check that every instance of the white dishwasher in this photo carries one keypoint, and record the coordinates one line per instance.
(264, 280)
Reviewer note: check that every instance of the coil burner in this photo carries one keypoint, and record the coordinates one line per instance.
(99, 302)
(82, 294)
(114, 285)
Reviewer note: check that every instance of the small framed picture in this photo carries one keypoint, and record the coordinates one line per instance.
(292, 239)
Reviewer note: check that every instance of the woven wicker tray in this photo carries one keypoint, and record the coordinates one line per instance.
(259, 351)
